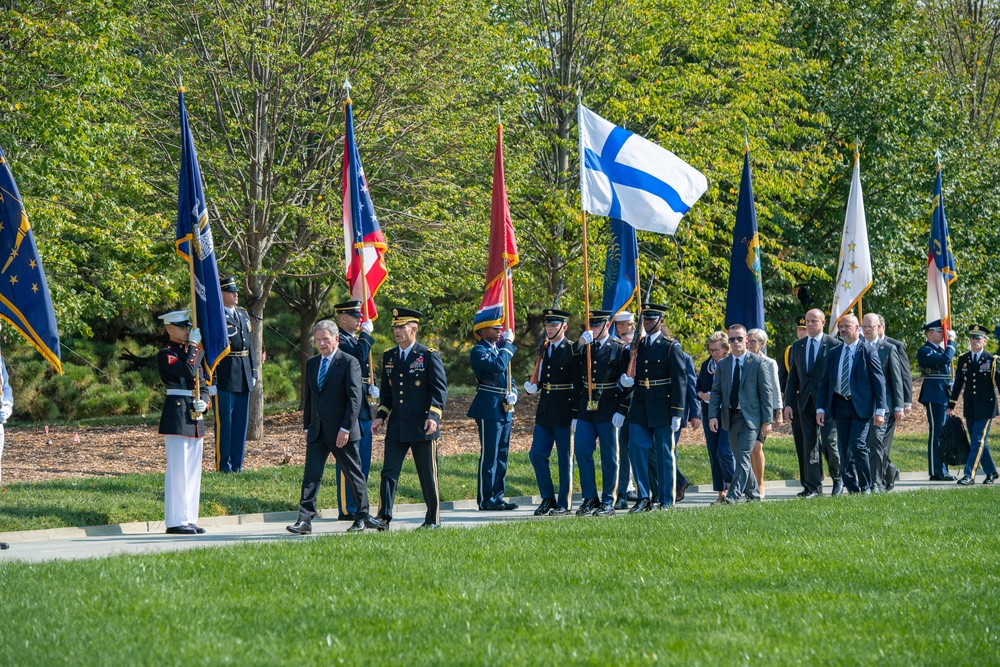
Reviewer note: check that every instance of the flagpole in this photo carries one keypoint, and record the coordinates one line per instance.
(947, 285)
(196, 392)
(359, 249)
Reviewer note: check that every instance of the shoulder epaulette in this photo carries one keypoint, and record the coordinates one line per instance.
(431, 349)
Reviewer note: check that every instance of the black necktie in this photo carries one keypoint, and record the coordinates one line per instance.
(812, 354)
(734, 394)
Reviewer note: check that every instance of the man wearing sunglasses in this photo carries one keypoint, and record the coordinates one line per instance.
(742, 402)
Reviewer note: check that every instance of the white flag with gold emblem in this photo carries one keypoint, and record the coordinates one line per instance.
(854, 272)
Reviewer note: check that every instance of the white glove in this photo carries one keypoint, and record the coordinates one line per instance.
(618, 420)
(253, 383)
(199, 405)
(367, 326)
(5, 412)
(586, 338)
(214, 391)
(194, 338)
(508, 336)
(530, 388)
(373, 391)
(952, 335)
(572, 427)
(511, 398)
(675, 424)
(626, 381)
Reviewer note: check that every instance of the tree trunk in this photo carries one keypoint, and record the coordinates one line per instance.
(255, 427)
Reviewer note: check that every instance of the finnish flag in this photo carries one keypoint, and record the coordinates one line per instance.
(625, 176)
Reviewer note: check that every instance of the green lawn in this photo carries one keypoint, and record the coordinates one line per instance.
(99, 501)
(896, 579)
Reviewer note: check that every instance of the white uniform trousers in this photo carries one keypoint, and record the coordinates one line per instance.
(1, 452)
(182, 482)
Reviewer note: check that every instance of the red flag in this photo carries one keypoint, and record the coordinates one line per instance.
(497, 307)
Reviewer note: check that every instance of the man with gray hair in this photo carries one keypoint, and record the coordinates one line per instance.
(332, 395)
(880, 437)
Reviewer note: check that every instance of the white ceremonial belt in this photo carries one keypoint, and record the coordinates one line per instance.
(179, 392)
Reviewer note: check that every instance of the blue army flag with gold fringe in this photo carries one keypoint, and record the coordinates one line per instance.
(745, 297)
(24, 295)
(621, 282)
(193, 230)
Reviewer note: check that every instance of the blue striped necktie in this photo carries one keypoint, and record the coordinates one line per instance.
(322, 372)
(845, 374)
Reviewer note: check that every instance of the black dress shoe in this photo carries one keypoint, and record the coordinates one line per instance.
(966, 481)
(622, 503)
(182, 530)
(545, 507)
(642, 505)
(680, 491)
(632, 496)
(558, 511)
(428, 526)
(588, 506)
(197, 529)
(991, 478)
(803, 493)
(300, 528)
(491, 507)
(838, 489)
(4, 546)
(371, 523)
(890, 483)
(604, 509)
(357, 527)
(811, 494)
(345, 517)
(508, 506)
(943, 478)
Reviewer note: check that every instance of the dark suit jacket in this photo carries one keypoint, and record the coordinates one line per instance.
(756, 392)
(802, 385)
(338, 404)
(867, 381)
(888, 356)
(906, 372)
(412, 391)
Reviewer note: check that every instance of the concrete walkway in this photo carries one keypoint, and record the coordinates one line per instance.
(149, 537)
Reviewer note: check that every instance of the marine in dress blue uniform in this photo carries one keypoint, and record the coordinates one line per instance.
(557, 379)
(657, 407)
(493, 410)
(413, 391)
(934, 358)
(599, 413)
(182, 424)
(356, 340)
(233, 380)
(978, 376)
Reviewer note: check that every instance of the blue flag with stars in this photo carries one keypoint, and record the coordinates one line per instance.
(24, 295)
(745, 297)
(193, 229)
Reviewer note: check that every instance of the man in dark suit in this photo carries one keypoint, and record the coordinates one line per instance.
(742, 403)
(888, 356)
(979, 377)
(890, 472)
(807, 365)
(331, 405)
(493, 410)
(233, 380)
(934, 358)
(852, 392)
(356, 340)
(657, 408)
(413, 392)
(600, 413)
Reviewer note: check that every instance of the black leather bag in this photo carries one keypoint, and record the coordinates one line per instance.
(954, 442)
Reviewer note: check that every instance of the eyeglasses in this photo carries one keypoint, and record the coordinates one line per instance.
(753, 340)
(736, 339)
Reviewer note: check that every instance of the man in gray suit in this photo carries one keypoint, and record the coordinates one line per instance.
(891, 473)
(888, 355)
(807, 365)
(743, 396)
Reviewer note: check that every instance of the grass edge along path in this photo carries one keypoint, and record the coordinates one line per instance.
(891, 578)
(98, 501)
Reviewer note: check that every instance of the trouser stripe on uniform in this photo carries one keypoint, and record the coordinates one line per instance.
(437, 494)
(343, 491)
(218, 428)
(483, 496)
(979, 452)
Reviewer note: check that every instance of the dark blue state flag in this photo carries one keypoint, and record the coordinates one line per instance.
(620, 280)
(193, 230)
(745, 297)
(24, 294)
